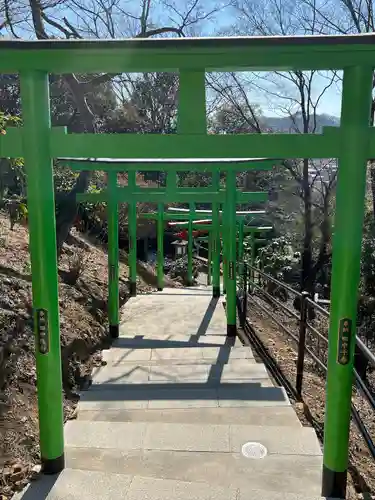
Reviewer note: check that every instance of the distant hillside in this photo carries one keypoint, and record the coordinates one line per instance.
(287, 124)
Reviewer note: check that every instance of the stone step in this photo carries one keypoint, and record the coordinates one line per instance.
(76, 484)
(279, 416)
(167, 340)
(214, 374)
(173, 313)
(189, 290)
(285, 469)
(281, 473)
(158, 436)
(168, 417)
(113, 360)
(176, 355)
(172, 396)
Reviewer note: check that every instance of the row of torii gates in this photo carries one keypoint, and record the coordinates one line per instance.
(204, 226)
(353, 143)
(223, 227)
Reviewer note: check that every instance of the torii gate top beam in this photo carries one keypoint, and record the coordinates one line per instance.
(161, 195)
(209, 227)
(209, 212)
(174, 164)
(193, 215)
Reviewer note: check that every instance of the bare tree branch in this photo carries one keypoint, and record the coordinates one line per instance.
(57, 25)
(97, 18)
(72, 29)
(8, 20)
(36, 12)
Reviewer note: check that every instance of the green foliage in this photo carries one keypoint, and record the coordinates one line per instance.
(26, 268)
(64, 178)
(9, 94)
(12, 171)
(94, 208)
(279, 260)
(8, 120)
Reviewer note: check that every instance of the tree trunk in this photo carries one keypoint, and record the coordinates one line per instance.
(66, 206)
(324, 256)
(306, 282)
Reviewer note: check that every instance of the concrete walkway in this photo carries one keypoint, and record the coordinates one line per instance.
(174, 412)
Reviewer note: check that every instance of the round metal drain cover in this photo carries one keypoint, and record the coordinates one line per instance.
(254, 450)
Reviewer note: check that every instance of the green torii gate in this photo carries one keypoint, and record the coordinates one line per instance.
(240, 238)
(215, 251)
(207, 239)
(180, 213)
(216, 263)
(114, 195)
(353, 143)
(171, 193)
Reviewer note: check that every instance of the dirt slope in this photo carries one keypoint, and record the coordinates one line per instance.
(83, 332)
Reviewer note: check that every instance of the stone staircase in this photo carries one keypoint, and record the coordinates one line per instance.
(180, 412)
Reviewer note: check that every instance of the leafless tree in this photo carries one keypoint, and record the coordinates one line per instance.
(96, 19)
(293, 94)
(345, 17)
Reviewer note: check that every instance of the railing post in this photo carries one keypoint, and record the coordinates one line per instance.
(301, 343)
(113, 257)
(42, 229)
(350, 195)
(244, 300)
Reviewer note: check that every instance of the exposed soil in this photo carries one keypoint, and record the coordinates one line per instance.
(83, 333)
(311, 412)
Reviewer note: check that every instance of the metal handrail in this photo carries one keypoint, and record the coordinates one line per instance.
(365, 350)
(302, 348)
(271, 278)
(315, 332)
(318, 308)
(280, 304)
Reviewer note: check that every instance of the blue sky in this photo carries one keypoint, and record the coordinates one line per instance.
(223, 23)
(330, 103)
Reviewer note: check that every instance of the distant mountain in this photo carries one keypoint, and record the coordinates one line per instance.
(287, 124)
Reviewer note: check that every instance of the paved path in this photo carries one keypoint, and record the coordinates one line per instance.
(168, 416)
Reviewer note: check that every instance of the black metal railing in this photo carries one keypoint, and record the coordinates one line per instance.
(247, 287)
